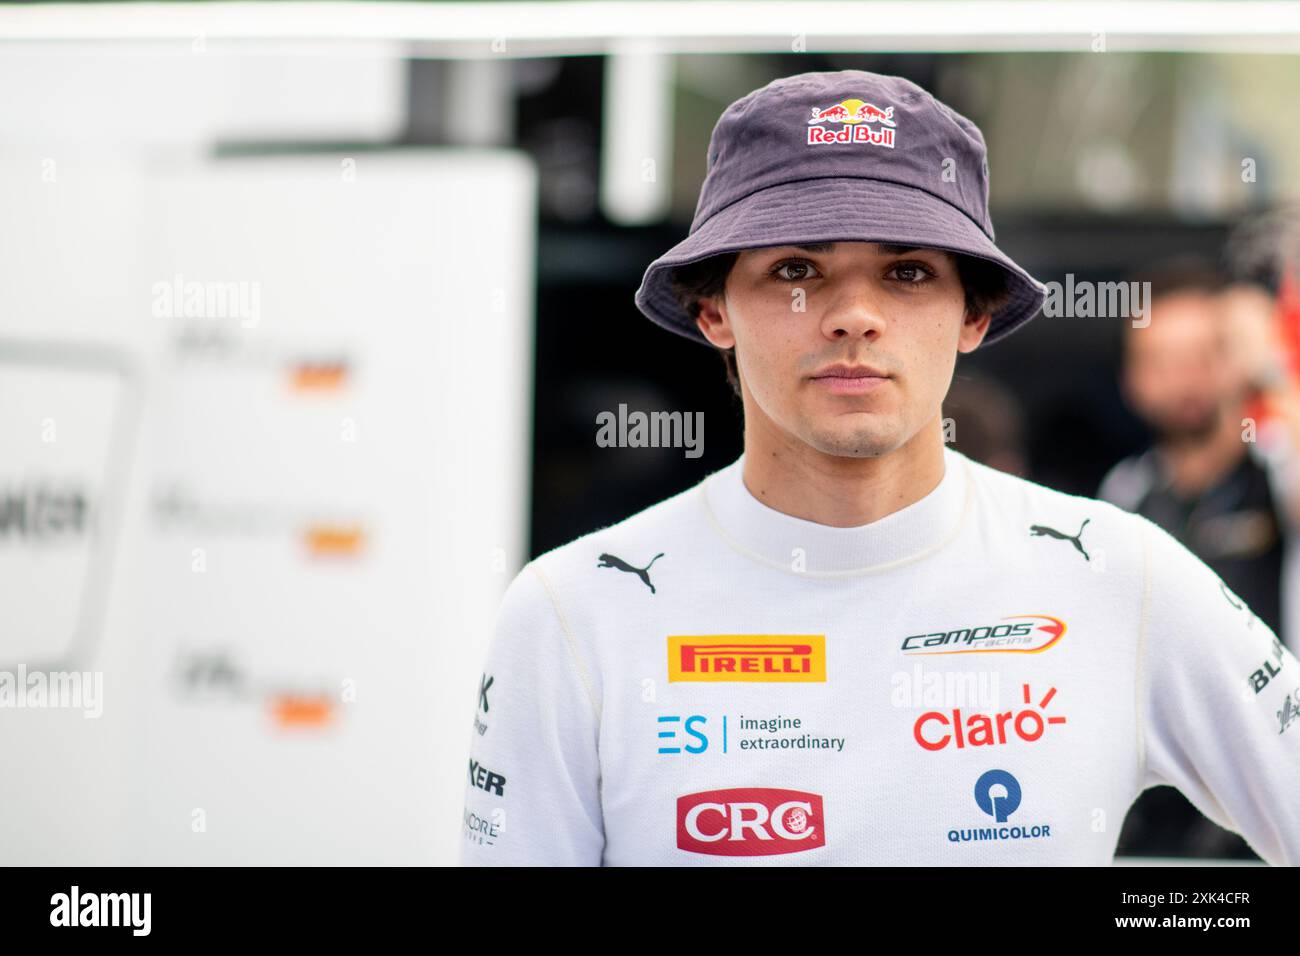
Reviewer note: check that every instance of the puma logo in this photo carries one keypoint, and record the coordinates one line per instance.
(1039, 530)
(1289, 712)
(609, 561)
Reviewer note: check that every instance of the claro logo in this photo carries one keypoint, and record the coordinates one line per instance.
(936, 730)
(750, 821)
(766, 658)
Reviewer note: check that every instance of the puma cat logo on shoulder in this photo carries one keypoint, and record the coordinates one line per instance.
(1039, 530)
(610, 561)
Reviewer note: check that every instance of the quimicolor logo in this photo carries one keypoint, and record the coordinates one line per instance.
(997, 793)
(763, 658)
(1029, 634)
(935, 730)
(750, 821)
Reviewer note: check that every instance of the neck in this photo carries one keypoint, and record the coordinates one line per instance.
(806, 515)
(792, 477)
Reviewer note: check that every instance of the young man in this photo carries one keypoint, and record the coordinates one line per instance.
(854, 645)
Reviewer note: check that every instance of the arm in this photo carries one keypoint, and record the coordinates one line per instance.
(532, 796)
(1218, 692)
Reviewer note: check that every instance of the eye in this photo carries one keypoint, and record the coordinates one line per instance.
(799, 269)
(912, 273)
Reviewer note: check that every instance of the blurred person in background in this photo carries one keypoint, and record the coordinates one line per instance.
(1200, 480)
(987, 423)
(1195, 375)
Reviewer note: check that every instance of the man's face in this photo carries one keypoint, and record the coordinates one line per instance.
(1177, 374)
(793, 312)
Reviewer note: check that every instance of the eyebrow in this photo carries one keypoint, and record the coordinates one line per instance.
(888, 248)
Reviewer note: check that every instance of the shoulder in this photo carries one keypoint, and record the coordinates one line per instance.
(1129, 553)
(633, 544)
(1013, 492)
(1013, 509)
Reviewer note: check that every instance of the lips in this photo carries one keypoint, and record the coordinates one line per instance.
(843, 379)
(850, 371)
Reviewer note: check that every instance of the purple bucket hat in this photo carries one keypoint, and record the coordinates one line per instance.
(841, 156)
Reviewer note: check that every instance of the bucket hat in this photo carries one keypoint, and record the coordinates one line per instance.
(844, 155)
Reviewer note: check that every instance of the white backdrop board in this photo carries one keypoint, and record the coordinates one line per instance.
(327, 497)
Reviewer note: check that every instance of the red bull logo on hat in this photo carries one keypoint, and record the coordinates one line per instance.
(856, 116)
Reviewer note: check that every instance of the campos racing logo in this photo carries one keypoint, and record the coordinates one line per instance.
(935, 730)
(1023, 637)
(766, 658)
(750, 821)
(856, 117)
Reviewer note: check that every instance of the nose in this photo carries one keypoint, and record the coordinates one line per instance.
(854, 311)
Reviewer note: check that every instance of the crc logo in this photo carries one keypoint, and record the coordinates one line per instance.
(935, 730)
(750, 821)
(1035, 634)
(765, 658)
(997, 793)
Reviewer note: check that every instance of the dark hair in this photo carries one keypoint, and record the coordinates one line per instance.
(986, 284)
(1179, 274)
(1176, 275)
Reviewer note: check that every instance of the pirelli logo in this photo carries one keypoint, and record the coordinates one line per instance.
(764, 658)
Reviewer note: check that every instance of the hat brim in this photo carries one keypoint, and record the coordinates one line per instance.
(840, 209)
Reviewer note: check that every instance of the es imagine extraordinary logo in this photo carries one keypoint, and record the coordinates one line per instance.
(678, 734)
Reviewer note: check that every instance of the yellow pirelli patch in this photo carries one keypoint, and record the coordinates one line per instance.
(765, 658)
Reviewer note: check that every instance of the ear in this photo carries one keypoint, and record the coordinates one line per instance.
(714, 323)
(973, 330)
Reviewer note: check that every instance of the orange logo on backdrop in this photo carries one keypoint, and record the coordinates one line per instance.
(292, 710)
(766, 658)
(315, 376)
(331, 540)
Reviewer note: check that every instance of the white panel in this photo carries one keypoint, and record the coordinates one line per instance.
(328, 499)
(195, 91)
(636, 131)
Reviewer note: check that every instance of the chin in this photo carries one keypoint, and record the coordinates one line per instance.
(853, 444)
